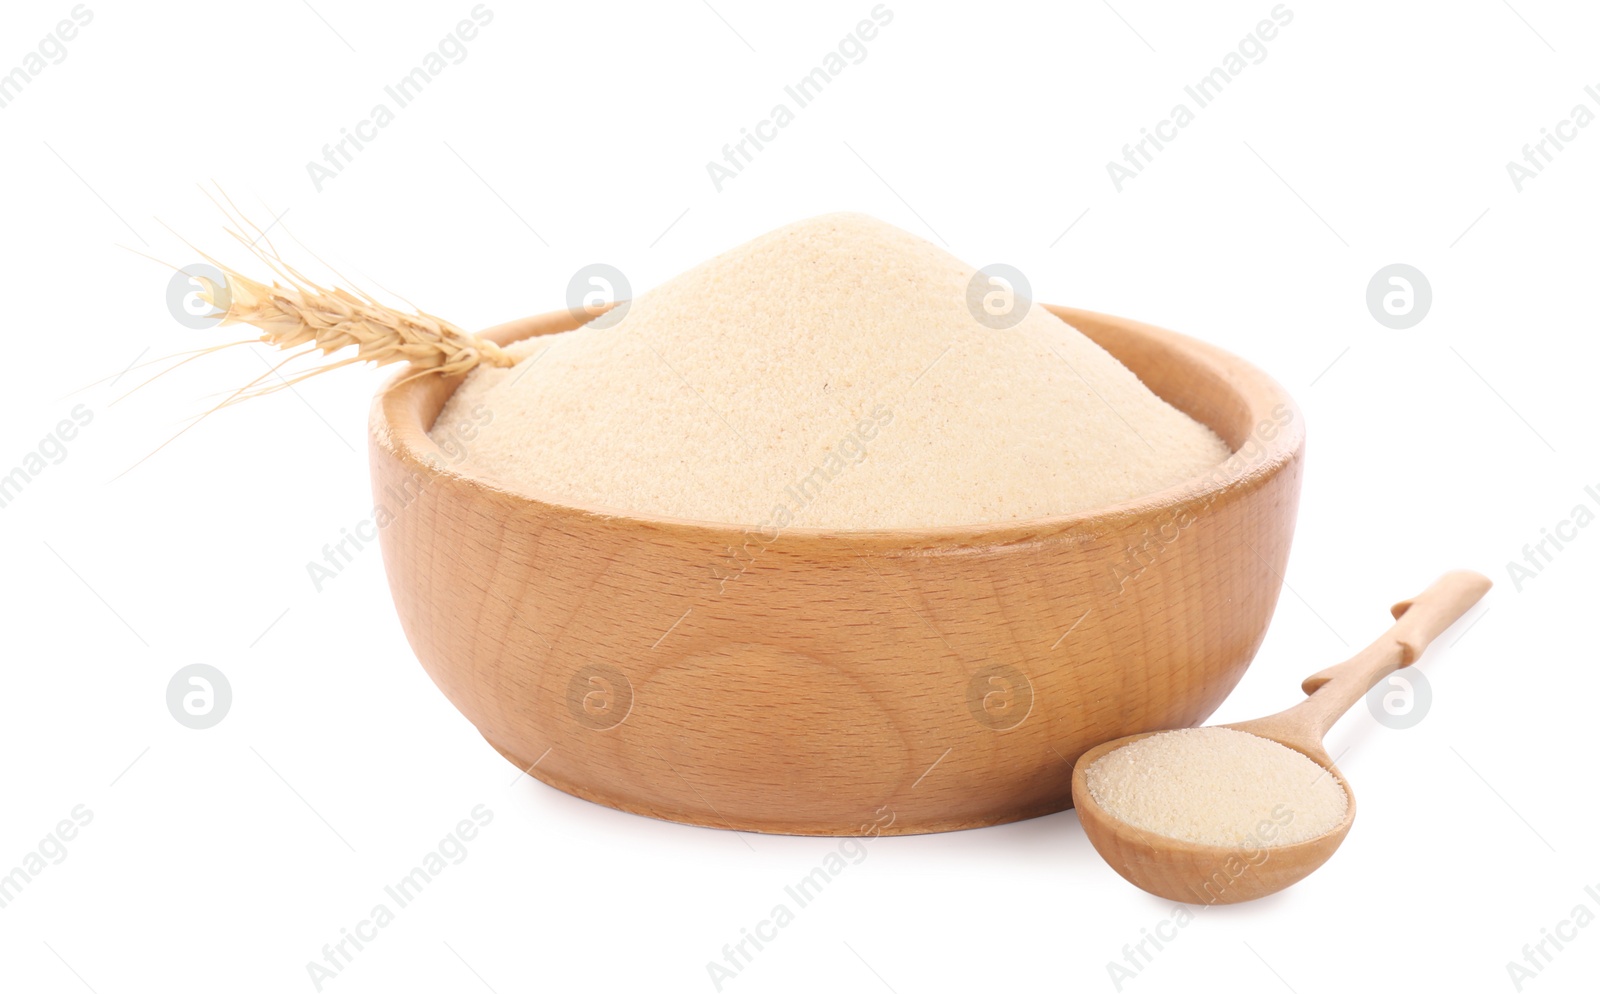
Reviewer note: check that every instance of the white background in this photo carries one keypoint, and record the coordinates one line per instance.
(224, 859)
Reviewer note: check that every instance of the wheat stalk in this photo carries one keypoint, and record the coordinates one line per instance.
(296, 312)
(299, 312)
(328, 320)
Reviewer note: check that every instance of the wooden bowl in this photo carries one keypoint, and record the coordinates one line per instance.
(848, 682)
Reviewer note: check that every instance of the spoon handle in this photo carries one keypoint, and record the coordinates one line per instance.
(1418, 621)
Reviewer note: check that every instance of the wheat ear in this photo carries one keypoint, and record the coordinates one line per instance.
(295, 312)
(303, 312)
(328, 320)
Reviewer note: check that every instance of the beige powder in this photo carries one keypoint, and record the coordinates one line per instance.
(1219, 787)
(827, 374)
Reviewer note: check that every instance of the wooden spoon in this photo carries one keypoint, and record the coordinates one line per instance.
(1197, 873)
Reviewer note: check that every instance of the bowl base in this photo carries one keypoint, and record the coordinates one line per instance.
(635, 807)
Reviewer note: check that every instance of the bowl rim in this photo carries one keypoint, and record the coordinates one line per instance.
(395, 428)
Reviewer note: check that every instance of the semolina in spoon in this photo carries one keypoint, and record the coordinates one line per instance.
(1231, 813)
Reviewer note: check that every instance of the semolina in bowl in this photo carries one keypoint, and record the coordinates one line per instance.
(848, 682)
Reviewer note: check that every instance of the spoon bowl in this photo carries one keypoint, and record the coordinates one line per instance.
(1195, 872)
(1200, 873)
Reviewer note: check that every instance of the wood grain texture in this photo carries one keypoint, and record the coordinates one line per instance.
(887, 681)
(1205, 874)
